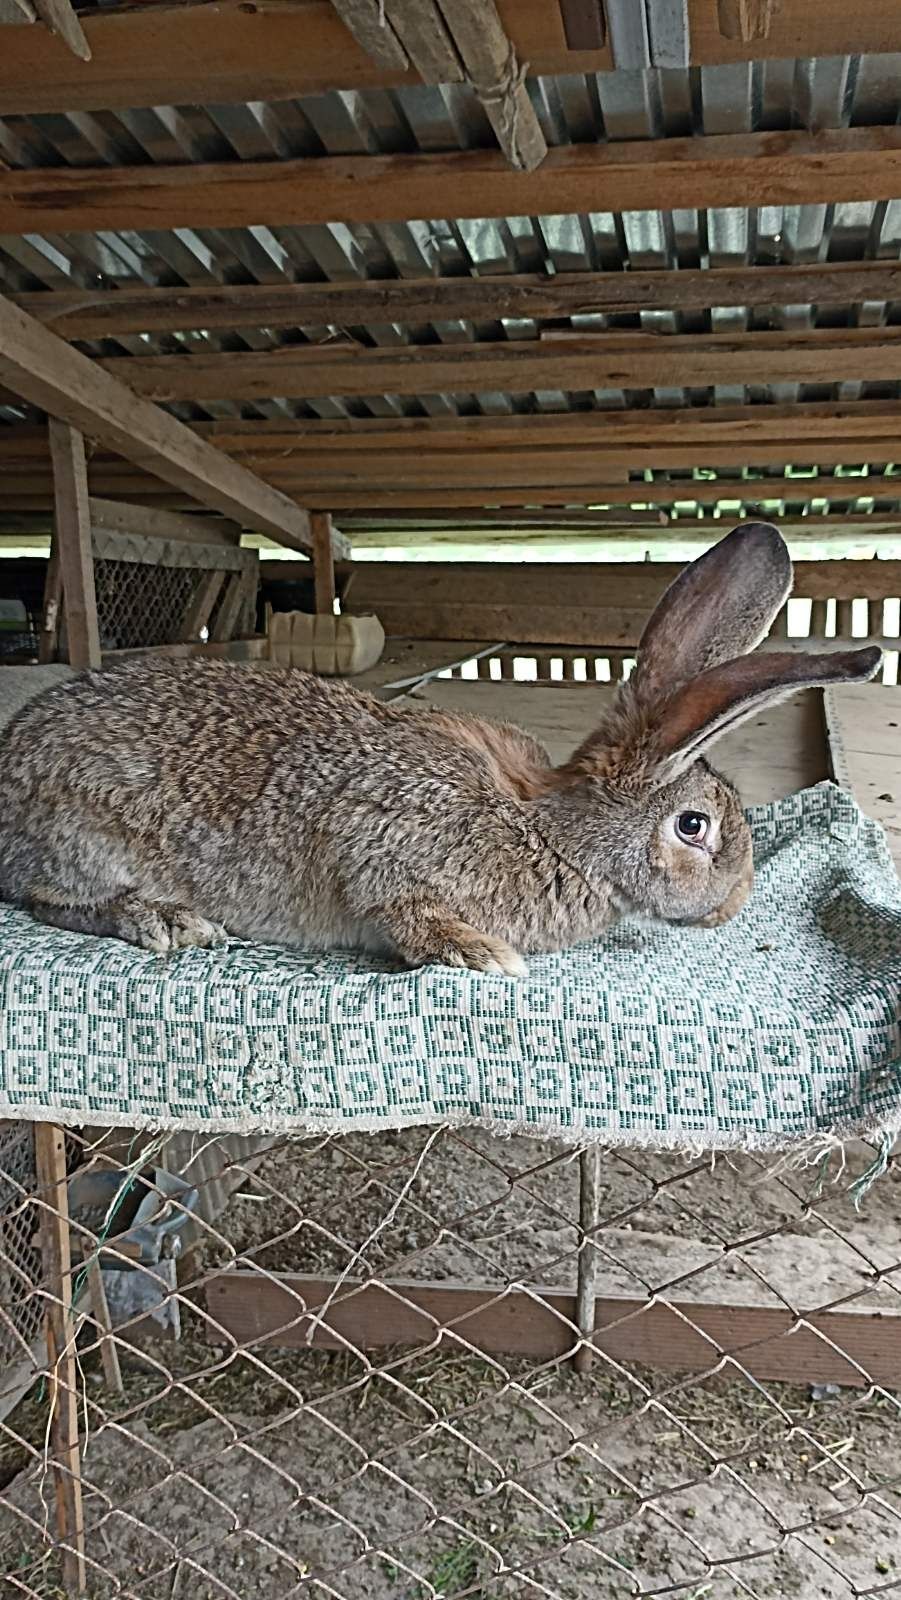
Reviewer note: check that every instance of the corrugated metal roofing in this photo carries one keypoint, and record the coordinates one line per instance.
(617, 106)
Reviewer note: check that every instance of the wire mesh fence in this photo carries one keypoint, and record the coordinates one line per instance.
(386, 1367)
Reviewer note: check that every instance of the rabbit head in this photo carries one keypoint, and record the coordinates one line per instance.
(675, 836)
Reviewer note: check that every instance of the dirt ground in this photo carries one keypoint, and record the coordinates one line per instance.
(268, 1474)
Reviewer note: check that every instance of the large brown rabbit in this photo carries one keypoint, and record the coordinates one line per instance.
(168, 804)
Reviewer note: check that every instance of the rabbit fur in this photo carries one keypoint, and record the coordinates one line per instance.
(171, 803)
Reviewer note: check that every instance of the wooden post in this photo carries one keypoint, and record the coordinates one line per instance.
(50, 1162)
(53, 599)
(73, 538)
(323, 562)
(586, 1285)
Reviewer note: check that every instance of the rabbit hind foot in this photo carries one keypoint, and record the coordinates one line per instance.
(150, 924)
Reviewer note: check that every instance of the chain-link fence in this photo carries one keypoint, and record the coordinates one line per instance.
(437, 1363)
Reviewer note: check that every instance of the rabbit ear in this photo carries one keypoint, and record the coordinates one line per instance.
(720, 607)
(703, 710)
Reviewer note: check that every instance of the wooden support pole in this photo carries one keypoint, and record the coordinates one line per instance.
(53, 599)
(50, 1162)
(323, 562)
(73, 539)
(587, 1282)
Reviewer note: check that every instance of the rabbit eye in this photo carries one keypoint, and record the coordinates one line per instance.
(692, 826)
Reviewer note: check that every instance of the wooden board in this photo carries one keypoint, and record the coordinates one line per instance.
(746, 169)
(150, 55)
(675, 1336)
(865, 727)
(50, 374)
(583, 603)
(519, 366)
(103, 313)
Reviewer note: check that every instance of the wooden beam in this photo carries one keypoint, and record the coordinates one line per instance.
(99, 314)
(62, 1378)
(603, 361)
(323, 562)
(178, 55)
(495, 72)
(854, 1346)
(48, 373)
(72, 531)
(367, 21)
(786, 168)
(116, 516)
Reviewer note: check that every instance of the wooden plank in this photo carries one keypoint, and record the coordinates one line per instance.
(323, 562)
(200, 607)
(609, 360)
(234, 601)
(753, 169)
(637, 585)
(48, 373)
(538, 605)
(60, 18)
(72, 525)
(62, 1380)
(228, 53)
(97, 314)
(584, 24)
(360, 500)
(116, 516)
(865, 745)
(421, 26)
(494, 69)
(367, 21)
(52, 608)
(747, 20)
(854, 1347)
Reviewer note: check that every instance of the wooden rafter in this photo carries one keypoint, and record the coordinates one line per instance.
(97, 314)
(162, 55)
(581, 362)
(791, 168)
(49, 374)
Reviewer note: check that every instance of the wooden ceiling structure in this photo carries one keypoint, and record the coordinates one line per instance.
(456, 257)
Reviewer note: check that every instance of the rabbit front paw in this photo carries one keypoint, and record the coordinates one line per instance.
(482, 953)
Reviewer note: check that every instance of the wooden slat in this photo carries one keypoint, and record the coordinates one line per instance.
(865, 742)
(787, 168)
(323, 562)
(367, 21)
(359, 499)
(493, 68)
(60, 18)
(162, 55)
(610, 360)
(583, 603)
(62, 1380)
(97, 314)
(677, 1336)
(72, 528)
(48, 373)
(420, 24)
(200, 606)
(118, 517)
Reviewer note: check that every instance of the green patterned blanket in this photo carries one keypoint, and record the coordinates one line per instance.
(784, 1024)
